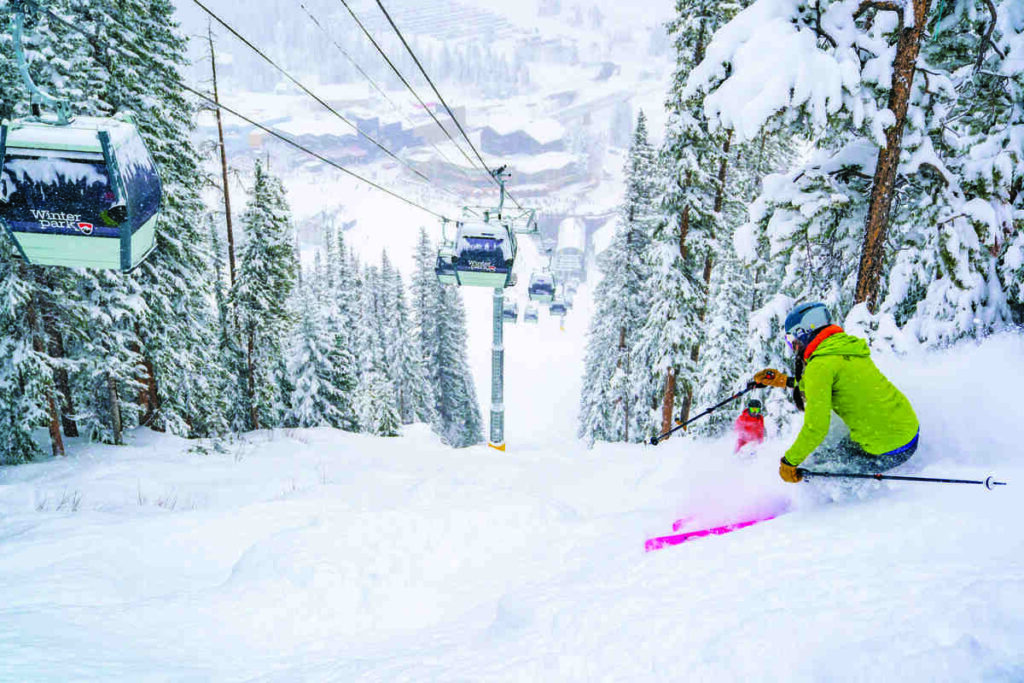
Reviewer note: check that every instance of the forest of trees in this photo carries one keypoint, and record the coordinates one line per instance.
(877, 166)
(181, 344)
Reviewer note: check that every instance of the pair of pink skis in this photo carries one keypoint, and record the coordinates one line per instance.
(675, 539)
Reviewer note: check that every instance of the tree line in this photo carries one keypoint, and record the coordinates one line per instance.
(176, 345)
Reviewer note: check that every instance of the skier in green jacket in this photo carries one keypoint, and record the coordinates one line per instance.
(838, 374)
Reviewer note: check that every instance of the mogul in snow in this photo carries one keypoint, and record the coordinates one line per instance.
(749, 426)
(834, 371)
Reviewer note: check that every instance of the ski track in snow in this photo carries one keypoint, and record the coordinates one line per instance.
(317, 555)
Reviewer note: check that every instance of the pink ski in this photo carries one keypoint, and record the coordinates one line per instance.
(663, 541)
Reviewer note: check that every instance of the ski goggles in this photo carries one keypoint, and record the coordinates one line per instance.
(791, 340)
(754, 410)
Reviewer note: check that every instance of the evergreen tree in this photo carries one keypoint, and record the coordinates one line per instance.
(107, 368)
(145, 78)
(339, 323)
(439, 321)
(906, 201)
(25, 377)
(409, 373)
(617, 389)
(315, 399)
(694, 161)
(457, 409)
(266, 277)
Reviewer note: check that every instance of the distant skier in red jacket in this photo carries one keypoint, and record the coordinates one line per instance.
(749, 425)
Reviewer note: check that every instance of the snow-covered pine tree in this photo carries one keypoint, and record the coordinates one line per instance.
(423, 304)
(457, 409)
(26, 380)
(618, 394)
(378, 396)
(378, 409)
(907, 198)
(231, 359)
(338, 306)
(100, 337)
(408, 370)
(439, 321)
(145, 78)
(315, 398)
(724, 365)
(267, 273)
(694, 164)
(959, 273)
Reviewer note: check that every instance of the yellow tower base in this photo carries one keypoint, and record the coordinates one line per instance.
(497, 446)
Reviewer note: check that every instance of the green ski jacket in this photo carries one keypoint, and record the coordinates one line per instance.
(840, 376)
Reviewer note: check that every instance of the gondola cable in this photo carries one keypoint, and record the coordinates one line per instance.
(309, 92)
(296, 145)
(398, 73)
(448, 109)
(366, 76)
(209, 100)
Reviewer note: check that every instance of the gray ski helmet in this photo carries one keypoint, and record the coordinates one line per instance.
(804, 321)
(755, 403)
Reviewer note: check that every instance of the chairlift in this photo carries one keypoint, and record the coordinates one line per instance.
(542, 287)
(510, 312)
(445, 266)
(558, 308)
(484, 255)
(531, 315)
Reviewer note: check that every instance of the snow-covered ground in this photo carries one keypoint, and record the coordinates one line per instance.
(317, 555)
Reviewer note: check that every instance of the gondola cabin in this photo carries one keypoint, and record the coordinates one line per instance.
(530, 315)
(484, 255)
(86, 194)
(510, 312)
(445, 267)
(558, 308)
(542, 287)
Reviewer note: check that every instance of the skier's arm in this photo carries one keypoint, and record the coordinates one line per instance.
(817, 415)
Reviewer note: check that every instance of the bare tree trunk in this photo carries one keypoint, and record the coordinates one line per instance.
(53, 412)
(254, 413)
(624, 359)
(223, 163)
(882, 190)
(115, 409)
(668, 403)
(150, 398)
(60, 377)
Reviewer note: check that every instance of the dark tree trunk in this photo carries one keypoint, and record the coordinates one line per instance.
(115, 409)
(52, 411)
(882, 190)
(254, 413)
(624, 360)
(223, 163)
(150, 398)
(60, 377)
(668, 403)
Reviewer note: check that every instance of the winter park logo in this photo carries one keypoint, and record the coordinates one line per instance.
(62, 221)
(481, 265)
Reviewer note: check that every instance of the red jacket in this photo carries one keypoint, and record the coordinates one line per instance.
(749, 429)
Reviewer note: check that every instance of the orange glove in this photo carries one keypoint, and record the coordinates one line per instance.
(789, 472)
(771, 378)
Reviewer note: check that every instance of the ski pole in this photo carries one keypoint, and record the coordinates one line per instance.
(655, 440)
(987, 483)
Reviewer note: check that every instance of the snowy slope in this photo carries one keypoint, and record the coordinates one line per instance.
(314, 555)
